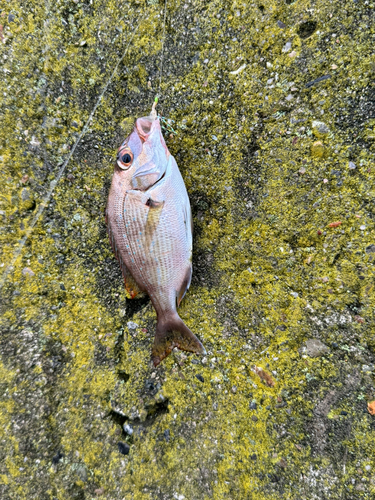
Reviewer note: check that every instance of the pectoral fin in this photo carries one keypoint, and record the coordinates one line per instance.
(155, 205)
(145, 199)
(153, 218)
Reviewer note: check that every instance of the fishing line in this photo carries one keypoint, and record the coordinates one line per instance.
(61, 171)
(153, 111)
(162, 45)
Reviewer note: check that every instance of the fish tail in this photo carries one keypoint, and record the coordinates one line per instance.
(172, 332)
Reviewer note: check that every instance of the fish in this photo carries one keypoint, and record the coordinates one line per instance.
(149, 224)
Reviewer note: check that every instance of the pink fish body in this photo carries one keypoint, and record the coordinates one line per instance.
(150, 229)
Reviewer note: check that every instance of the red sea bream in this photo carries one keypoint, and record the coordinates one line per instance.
(150, 229)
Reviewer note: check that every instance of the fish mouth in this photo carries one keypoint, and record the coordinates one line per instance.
(144, 125)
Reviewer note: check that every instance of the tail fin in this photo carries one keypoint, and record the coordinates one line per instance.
(172, 332)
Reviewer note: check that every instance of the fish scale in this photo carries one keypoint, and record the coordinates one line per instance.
(149, 226)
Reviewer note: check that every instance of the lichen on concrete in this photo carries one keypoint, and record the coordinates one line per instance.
(271, 120)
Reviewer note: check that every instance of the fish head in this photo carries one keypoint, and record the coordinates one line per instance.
(143, 156)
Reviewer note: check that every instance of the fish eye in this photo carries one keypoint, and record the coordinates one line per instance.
(124, 159)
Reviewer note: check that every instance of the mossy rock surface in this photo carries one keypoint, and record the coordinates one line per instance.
(283, 251)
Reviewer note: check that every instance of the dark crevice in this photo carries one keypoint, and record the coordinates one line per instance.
(123, 375)
(355, 306)
(306, 29)
(118, 418)
(157, 410)
(154, 411)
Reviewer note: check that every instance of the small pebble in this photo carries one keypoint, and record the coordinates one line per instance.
(292, 54)
(199, 377)
(352, 165)
(56, 459)
(241, 68)
(26, 271)
(253, 406)
(320, 129)
(318, 149)
(234, 389)
(27, 198)
(167, 435)
(254, 418)
(314, 348)
(325, 181)
(287, 47)
(131, 325)
(123, 448)
(128, 429)
(11, 18)
(362, 228)
(281, 25)
(253, 457)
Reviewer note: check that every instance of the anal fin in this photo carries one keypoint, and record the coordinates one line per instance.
(184, 286)
(131, 285)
